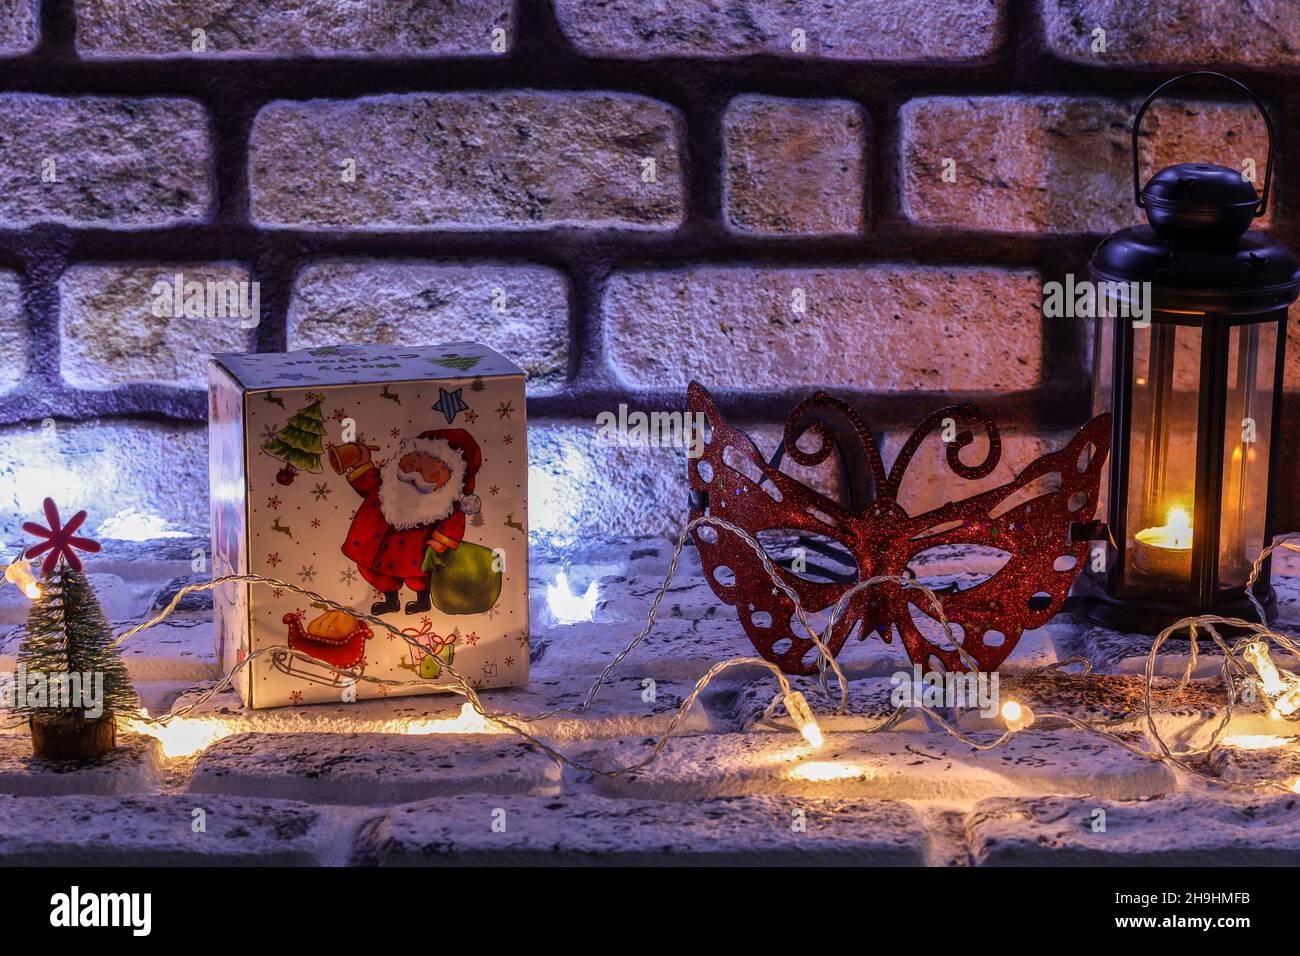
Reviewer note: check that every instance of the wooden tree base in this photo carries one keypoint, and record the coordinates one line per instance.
(73, 738)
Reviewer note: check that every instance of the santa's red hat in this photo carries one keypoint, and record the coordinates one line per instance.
(462, 441)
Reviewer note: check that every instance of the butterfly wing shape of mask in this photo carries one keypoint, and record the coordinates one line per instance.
(1030, 518)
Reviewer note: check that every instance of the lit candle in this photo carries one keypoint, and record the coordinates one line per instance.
(1166, 551)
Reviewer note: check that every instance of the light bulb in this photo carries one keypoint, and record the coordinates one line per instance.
(796, 705)
(1284, 692)
(1256, 653)
(20, 573)
(1289, 702)
(1017, 716)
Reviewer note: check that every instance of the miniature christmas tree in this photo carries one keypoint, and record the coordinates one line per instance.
(298, 443)
(68, 647)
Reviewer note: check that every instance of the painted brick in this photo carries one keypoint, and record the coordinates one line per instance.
(372, 768)
(1172, 32)
(579, 486)
(1182, 829)
(20, 25)
(522, 311)
(158, 830)
(1056, 164)
(111, 335)
(262, 28)
(131, 768)
(521, 160)
(794, 167)
(106, 466)
(13, 333)
(586, 830)
(874, 327)
(888, 766)
(907, 30)
(619, 711)
(119, 163)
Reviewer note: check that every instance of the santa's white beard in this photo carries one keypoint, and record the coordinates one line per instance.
(404, 506)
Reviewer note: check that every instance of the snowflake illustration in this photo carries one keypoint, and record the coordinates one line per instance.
(308, 573)
(339, 415)
(471, 638)
(273, 559)
(295, 697)
(471, 416)
(522, 639)
(510, 662)
(269, 432)
(277, 592)
(273, 502)
(494, 490)
(508, 440)
(383, 690)
(505, 410)
(394, 433)
(348, 575)
(321, 491)
(315, 522)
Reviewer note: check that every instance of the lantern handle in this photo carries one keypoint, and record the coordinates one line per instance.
(1137, 126)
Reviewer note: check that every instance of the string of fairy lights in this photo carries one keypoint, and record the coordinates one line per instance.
(1247, 662)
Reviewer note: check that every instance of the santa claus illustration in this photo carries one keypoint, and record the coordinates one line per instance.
(413, 510)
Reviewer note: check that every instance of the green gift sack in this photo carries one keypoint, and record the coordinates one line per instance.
(464, 579)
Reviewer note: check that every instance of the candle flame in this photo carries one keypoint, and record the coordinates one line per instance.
(1179, 528)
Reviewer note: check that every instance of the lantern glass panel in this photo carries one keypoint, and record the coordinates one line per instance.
(1252, 354)
(1162, 444)
(1103, 361)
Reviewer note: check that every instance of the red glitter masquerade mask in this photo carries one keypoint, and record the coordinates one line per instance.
(732, 481)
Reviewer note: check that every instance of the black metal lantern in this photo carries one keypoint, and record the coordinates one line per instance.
(1193, 376)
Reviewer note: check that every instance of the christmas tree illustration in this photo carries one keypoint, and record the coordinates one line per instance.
(298, 443)
(461, 362)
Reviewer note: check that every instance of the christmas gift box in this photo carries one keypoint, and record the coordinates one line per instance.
(391, 480)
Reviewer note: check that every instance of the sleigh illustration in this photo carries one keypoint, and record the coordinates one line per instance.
(336, 640)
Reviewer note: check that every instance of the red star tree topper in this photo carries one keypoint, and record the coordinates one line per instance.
(60, 539)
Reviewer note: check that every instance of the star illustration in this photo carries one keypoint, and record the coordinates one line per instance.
(450, 404)
(59, 539)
